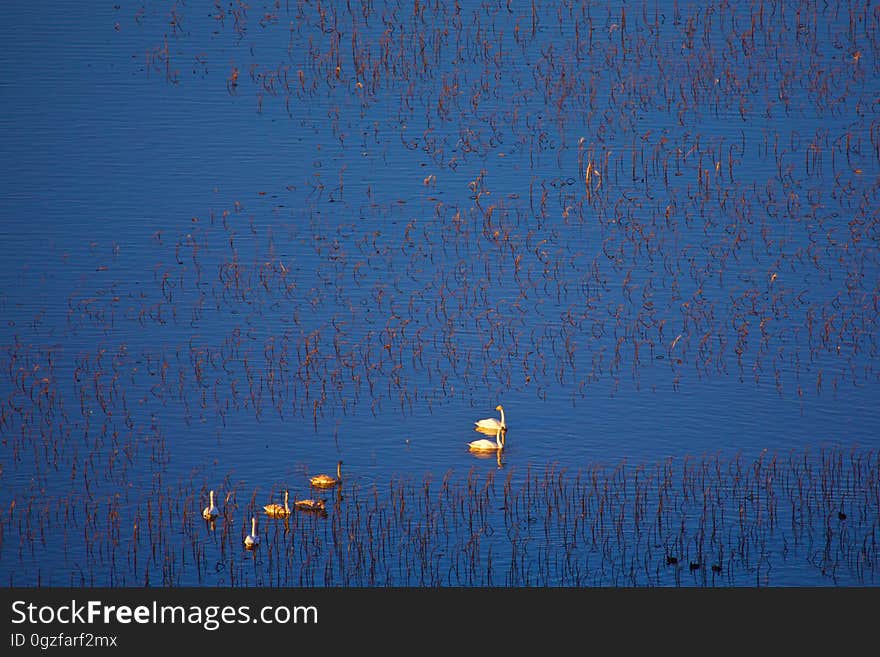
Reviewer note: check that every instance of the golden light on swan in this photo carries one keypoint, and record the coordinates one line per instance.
(276, 510)
(252, 540)
(310, 504)
(486, 445)
(490, 424)
(326, 481)
(210, 512)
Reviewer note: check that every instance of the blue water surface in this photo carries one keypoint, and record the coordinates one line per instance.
(243, 242)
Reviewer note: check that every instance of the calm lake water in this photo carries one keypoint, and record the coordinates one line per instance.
(242, 242)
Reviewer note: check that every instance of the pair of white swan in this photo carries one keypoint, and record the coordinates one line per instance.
(493, 425)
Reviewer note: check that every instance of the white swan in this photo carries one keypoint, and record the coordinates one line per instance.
(486, 445)
(276, 510)
(326, 481)
(210, 512)
(490, 423)
(252, 540)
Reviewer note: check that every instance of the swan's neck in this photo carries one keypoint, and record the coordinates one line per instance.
(212, 498)
(285, 500)
(253, 526)
(339, 471)
(502, 418)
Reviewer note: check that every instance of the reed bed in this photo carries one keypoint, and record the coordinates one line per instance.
(719, 241)
(800, 518)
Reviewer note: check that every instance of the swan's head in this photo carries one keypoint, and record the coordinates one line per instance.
(499, 408)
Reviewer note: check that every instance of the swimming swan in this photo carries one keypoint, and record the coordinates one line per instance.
(276, 510)
(326, 481)
(490, 423)
(210, 512)
(252, 540)
(310, 505)
(486, 445)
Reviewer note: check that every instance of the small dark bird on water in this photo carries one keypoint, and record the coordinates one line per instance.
(671, 561)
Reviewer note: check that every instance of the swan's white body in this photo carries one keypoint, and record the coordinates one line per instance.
(326, 481)
(486, 445)
(210, 512)
(492, 423)
(276, 510)
(252, 540)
